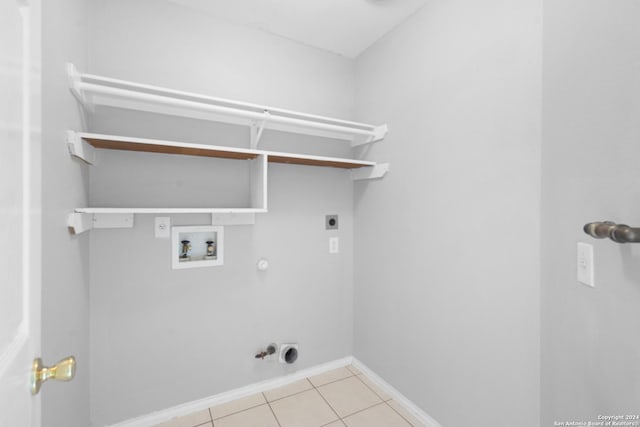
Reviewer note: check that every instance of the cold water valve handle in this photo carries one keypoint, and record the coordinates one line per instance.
(619, 233)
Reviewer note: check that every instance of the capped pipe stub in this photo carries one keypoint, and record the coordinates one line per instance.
(272, 348)
(262, 264)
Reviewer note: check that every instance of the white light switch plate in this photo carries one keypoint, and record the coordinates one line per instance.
(585, 264)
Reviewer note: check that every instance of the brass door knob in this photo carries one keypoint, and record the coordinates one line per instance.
(64, 370)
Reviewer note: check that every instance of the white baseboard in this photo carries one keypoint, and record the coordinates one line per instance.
(158, 417)
(411, 407)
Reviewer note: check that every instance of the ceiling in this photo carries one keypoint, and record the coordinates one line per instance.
(345, 27)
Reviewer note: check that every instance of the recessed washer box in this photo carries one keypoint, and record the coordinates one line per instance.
(197, 246)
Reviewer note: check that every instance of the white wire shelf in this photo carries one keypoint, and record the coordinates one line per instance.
(92, 89)
(85, 146)
(112, 142)
(169, 210)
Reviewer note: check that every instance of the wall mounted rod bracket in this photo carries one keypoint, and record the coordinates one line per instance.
(79, 148)
(379, 133)
(619, 233)
(75, 78)
(79, 222)
(372, 172)
(257, 129)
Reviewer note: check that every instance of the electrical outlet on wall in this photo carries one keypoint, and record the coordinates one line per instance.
(331, 222)
(162, 229)
(334, 245)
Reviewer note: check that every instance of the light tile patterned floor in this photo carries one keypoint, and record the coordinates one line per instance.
(343, 397)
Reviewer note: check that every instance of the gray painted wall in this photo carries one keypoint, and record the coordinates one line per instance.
(201, 327)
(590, 171)
(65, 258)
(163, 44)
(447, 245)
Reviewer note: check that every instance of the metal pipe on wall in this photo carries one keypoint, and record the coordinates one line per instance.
(619, 233)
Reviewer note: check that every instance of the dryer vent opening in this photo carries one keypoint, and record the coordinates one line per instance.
(288, 353)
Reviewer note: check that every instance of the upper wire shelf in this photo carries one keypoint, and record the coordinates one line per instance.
(92, 89)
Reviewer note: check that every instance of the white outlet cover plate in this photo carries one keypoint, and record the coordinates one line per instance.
(584, 268)
(334, 245)
(162, 227)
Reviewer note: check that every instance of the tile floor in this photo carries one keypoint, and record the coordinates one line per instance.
(338, 398)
